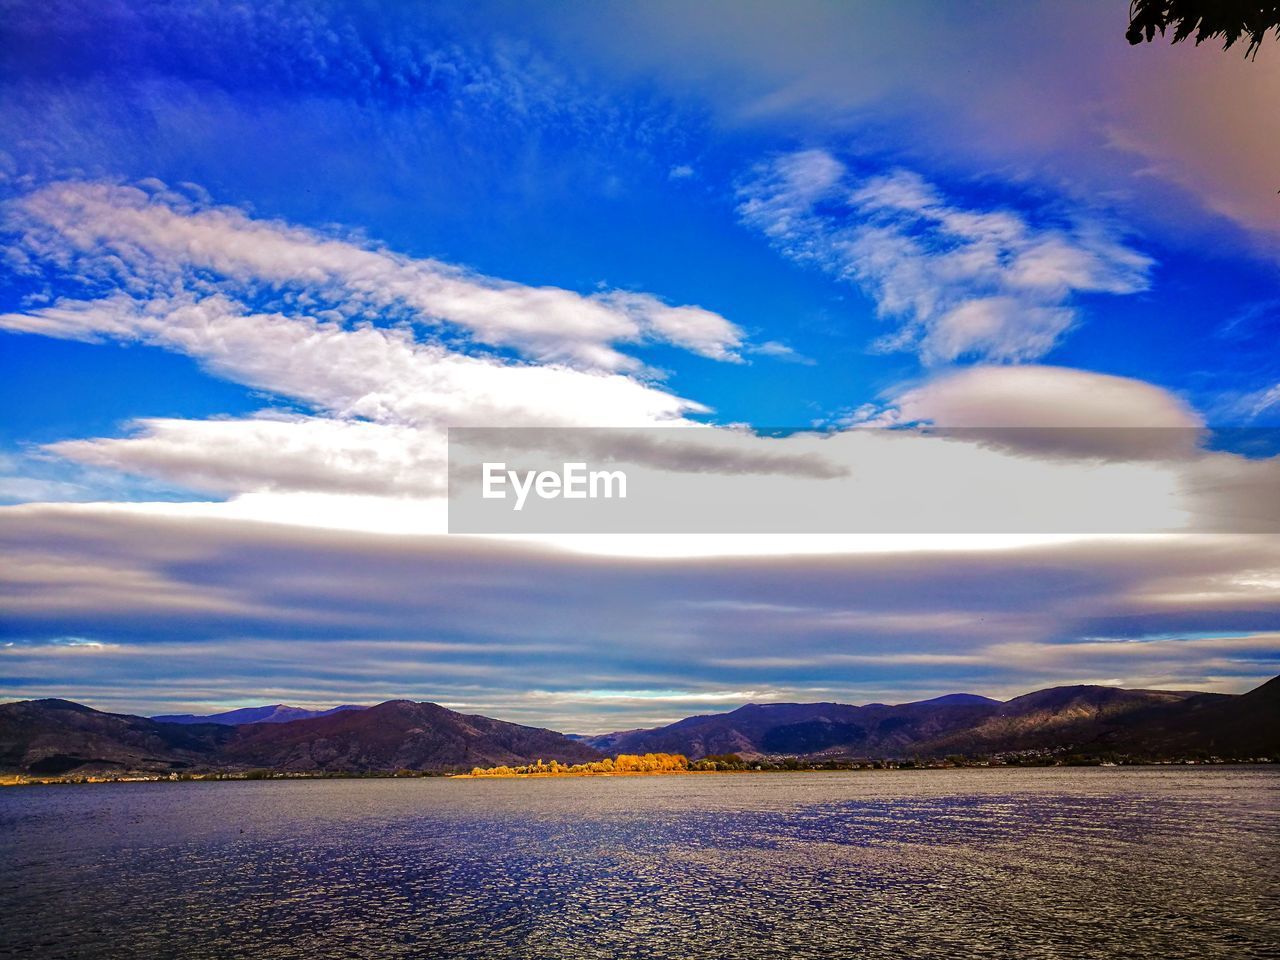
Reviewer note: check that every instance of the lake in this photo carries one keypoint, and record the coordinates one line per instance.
(1154, 862)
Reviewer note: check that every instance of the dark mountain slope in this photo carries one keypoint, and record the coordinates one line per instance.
(1075, 716)
(58, 736)
(1241, 727)
(51, 737)
(397, 734)
(807, 728)
(1084, 718)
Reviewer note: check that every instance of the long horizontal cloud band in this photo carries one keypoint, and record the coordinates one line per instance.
(151, 609)
(948, 480)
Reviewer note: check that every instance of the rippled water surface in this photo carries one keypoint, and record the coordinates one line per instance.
(1102, 862)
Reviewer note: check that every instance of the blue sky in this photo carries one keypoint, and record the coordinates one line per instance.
(254, 256)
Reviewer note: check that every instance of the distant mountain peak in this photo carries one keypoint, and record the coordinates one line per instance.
(56, 703)
(272, 713)
(959, 699)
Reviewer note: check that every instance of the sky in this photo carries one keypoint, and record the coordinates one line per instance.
(256, 260)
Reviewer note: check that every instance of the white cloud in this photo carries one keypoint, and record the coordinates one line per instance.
(1053, 410)
(151, 240)
(780, 351)
(779, 199)
(1040, 396)
(285, 455)
(1258, 403)
(376, 373)
(960, 283)
(697, 330)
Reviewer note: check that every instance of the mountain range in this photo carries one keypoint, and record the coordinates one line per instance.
(55, 737)
(1085, 719)
(275, 713)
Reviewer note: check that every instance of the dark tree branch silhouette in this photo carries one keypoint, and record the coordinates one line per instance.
(1229, 20)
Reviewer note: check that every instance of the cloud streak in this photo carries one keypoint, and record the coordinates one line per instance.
(959, 283)
(156, 240)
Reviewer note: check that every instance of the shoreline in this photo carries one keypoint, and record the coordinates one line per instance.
(617, 773)
(24, 780)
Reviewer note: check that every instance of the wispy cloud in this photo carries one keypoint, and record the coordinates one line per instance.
(379, 373)
(959, 282)
(154, 242)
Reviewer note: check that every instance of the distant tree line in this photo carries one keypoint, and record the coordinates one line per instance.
(678, 763)
(721, 761)
(623, 763)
